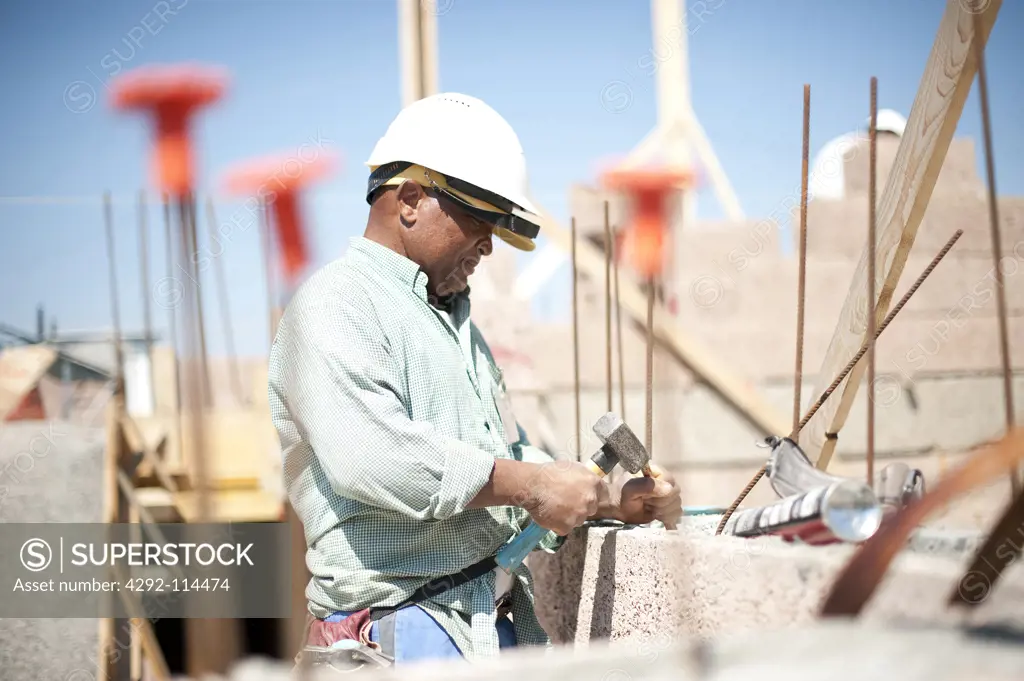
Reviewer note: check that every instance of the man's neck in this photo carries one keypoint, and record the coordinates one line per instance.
(386, 239)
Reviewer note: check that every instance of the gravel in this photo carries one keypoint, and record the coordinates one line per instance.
(50, 472)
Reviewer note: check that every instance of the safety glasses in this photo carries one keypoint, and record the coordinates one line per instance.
(503, 220)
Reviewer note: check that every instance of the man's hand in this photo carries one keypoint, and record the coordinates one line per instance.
(562, 495)
(642, 500)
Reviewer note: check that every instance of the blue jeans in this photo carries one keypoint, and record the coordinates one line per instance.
(418, 637)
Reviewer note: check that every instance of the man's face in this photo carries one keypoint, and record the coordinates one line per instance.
(447, 242)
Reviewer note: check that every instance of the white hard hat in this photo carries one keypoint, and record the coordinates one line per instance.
(475, 151)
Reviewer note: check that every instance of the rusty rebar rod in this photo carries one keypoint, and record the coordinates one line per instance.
(266, 241)
(172, 313)
(871, 309)
(225, 309)
(997, 246)
(843, 374)
(649, 383)
(188, 208)
(147, 317)
(798, 371)
(578, 436)
(618, 325)
(115, 308)
(608, 304)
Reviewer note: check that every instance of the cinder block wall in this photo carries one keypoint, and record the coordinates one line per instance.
(653, 587)
(938, 385)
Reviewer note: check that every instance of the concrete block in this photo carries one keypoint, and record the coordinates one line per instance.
(638, 584)
(840, 227)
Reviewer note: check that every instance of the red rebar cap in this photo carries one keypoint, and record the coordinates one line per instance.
(171, 94)
(182, 85)
(278, 181)
(278, 174)
(647, 180)
(645, 239)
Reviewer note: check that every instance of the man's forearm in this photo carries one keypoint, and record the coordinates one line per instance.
(509, 484)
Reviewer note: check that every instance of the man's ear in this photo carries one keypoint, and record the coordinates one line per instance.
(409, 197)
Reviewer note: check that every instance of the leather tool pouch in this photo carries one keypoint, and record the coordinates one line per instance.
(345, 646)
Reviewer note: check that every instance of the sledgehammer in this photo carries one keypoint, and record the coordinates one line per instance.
(619, 445)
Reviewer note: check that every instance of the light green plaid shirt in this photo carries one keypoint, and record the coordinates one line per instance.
(387, 414)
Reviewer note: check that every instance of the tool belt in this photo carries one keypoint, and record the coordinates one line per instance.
(346, 646)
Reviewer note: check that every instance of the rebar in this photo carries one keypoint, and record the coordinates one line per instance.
(872, 166)
(147, 316)
(188, 207)
(578, 435)
(798, 372)
(649, 383)
(172, 313)
(115, 309)
(618, 325)
(608, 304)
(997, 244)
(225, 309)
(268, 266)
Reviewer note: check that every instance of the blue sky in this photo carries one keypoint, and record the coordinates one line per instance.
(309, 72)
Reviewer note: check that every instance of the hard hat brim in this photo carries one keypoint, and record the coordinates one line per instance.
(515, 240)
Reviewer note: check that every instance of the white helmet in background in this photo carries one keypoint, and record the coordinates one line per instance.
(462, 147)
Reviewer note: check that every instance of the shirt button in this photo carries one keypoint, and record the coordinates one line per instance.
(487, 426)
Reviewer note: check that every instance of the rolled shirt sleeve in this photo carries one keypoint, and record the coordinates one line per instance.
(341, 387)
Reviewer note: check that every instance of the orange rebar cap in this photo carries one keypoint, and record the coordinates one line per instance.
(277, 180)
(172, 94)
(646, 236)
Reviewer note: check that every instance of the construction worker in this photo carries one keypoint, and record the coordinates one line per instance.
(402, 456)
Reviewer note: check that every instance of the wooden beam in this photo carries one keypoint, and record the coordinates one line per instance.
(698, 359)
(933, 119)
(417, 44)
(668, 28)
(724, 191)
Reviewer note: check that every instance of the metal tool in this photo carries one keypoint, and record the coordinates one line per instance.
(619, 445)
(843, 511)
(898, 484)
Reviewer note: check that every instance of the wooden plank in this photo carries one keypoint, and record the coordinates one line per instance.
(232, 506)
(933, 119)
(668, 334)
(241, 446)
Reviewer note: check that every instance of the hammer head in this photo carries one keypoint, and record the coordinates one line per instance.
(619, 440)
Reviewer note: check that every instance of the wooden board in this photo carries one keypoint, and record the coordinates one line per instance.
(233, 506)
(241, 445)
(933, 119)
(21, 368)
(712, 370)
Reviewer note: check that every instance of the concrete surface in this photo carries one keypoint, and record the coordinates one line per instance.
(650, 585)
(50, 471)
(838, 651)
